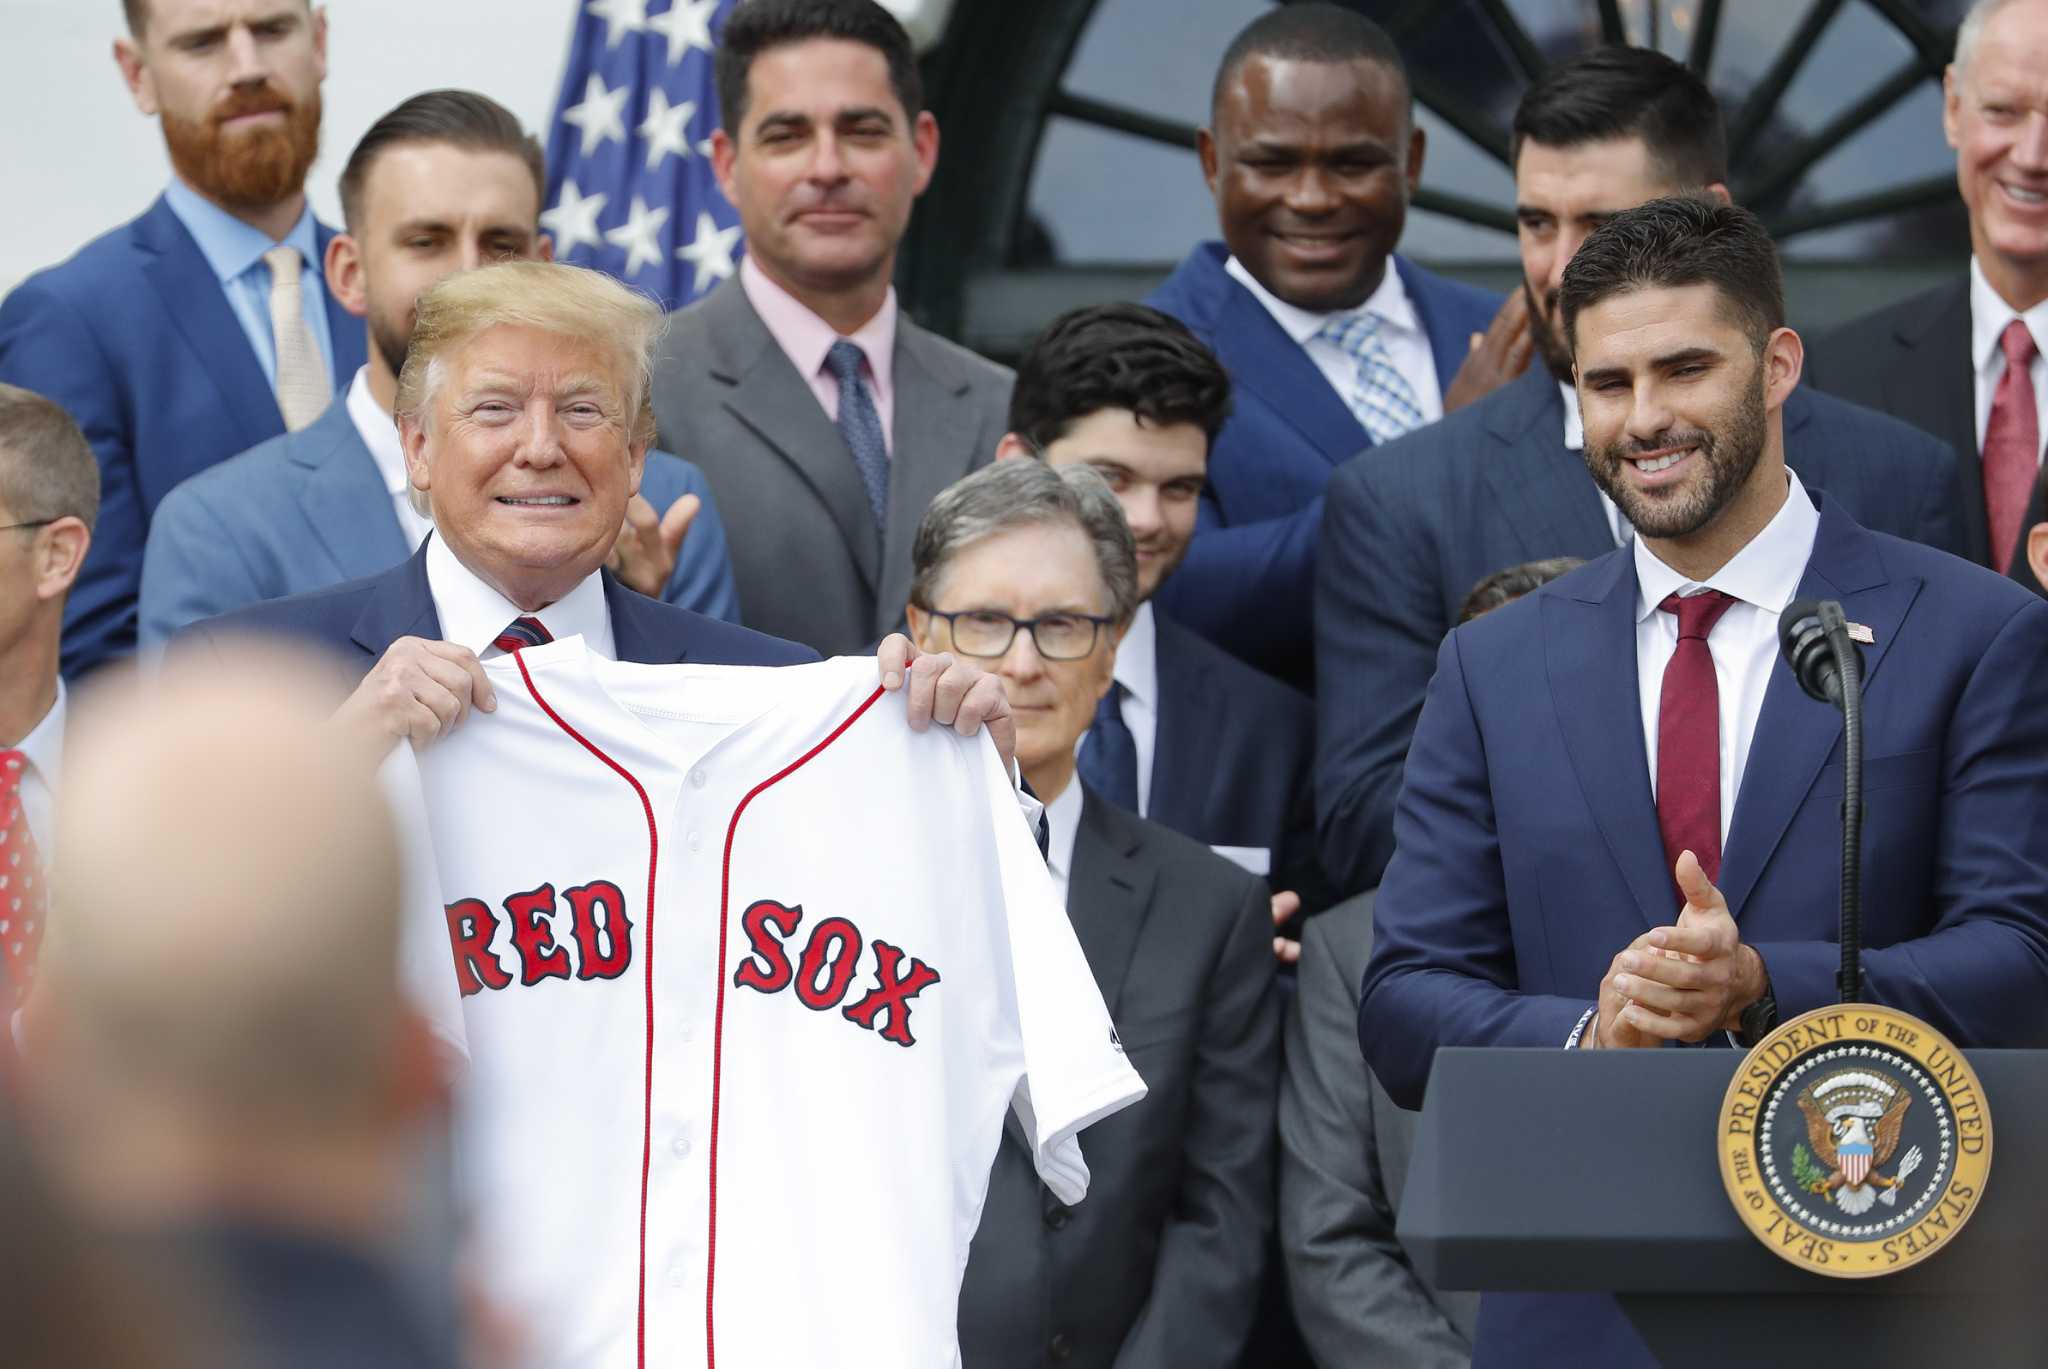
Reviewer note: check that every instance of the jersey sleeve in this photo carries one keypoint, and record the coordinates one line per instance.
(426, 966)
(1075, 1071)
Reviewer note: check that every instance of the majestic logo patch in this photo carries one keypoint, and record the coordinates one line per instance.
(824, 971)
(1855, 1141)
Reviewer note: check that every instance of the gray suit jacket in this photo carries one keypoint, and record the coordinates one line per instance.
(810, 563)
(308, 510)
(1162, 1264)
(1344, 1149)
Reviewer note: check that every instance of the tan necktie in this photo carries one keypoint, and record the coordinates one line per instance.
(303, 387)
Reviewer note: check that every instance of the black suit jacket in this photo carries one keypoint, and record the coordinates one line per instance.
(1231, 758)
(1912, 360)
(1162, 1264)
(359, 620)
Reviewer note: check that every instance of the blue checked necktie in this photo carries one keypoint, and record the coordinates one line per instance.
(861, 426)
(523, 631)
(1380, 396)
(1109, 755)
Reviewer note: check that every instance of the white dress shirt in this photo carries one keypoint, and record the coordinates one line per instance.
(1062, 821)
(473, 614)
(43, 748)
(1575, 441)
(379, 432)
(1762, 578)
(1406, 343)
(1137, 670)
(1989, 316)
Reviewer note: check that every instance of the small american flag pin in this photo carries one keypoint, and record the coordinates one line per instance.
(1860, 633)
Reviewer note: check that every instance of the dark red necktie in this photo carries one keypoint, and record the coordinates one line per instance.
(24, 898)
(2012, 445)
(1689, 736)
(523, 631)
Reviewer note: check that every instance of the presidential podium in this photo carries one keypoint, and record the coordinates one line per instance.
(1596, 1171)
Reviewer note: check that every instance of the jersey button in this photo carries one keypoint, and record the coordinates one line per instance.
(695, 842)
(1062, 1346)
(697, 779)
(681, 1145)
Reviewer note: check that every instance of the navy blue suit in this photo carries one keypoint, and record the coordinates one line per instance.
(1528, 853)
(357, 621)
(309, 509)
(135, 338)
(1231, 758)
(1412, 527)
(1248, 577)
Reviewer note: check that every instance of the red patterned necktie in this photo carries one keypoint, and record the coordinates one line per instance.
(24, 896)
(523, 631)
(2012, 445)
(1689, 736)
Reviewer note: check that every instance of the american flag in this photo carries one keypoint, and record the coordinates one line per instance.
(630, 188)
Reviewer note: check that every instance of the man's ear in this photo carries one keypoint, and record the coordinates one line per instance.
(1718, 193)
(60, 553)
(1205, 151)
(343, 267)
(412, 437)
(2037, 551)
(1784, 360)
(1011, 445)
(135, 74)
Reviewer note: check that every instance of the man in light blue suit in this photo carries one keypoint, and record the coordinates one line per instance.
(202, 327)
(444, 182)
(1619, 764)
(1333, 343)
(1410, 527)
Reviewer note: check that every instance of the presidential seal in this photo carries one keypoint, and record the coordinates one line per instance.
(1855, 1141)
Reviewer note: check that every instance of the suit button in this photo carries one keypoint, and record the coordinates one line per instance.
(1056, 1216)
(1062, 1346)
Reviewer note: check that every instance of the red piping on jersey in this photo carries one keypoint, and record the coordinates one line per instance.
(647, 972)
(718, 1018)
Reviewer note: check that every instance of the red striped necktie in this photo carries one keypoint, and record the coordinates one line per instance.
(1689, 736)
(523, 631)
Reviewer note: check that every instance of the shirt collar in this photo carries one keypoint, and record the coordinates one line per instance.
(805, 338)
(379, 432)
(1137, 658)
(1389, 303)
(1062, 821)
(44, 745)
(230, 246)
(1989, 316)
(1765, 573)
(472, 613)
(1574, 421)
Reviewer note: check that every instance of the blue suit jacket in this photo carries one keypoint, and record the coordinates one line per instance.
(1412, 527)
(1231, 757)
(134, 337)
(309, 509)
(1248, 577)
(358, 620)
(1528, 851)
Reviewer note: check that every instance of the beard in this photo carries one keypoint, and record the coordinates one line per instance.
(1549, 345)
(391, 339)
(247, 168)
(1728, 450)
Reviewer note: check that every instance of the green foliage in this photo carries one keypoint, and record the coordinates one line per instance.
(1806, 1169)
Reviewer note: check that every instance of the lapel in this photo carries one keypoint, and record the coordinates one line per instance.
(1109, 892)
(769, 397)
(198, 308)
(1446, 348)
(350, 343)
(1795, 735)
(1589, 634)
(400, 605)
(342, 495)
(642, 629)
(1554, 506)
(934, 434)
(1190, 715)
(1936, 389)
(1264, 360)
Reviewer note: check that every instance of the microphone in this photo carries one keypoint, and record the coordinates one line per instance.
(1814, 638)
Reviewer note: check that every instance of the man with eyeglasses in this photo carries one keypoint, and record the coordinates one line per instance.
(1032, 569)
(49, 500)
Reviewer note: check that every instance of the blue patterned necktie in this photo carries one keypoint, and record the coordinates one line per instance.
(861, 426)
(1109, 754)
(1380, 397)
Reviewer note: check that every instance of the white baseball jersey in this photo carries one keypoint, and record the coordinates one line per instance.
(749, 974)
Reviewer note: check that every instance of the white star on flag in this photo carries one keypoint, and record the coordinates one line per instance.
(573, 220)
(666, 127)
(602, 114)
(711, 252)
(640, 235)
(686, 24)
(621, 17)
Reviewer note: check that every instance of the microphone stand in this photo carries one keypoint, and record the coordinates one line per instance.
(1849, 980)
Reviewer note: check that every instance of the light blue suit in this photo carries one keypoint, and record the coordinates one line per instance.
(308, 509)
